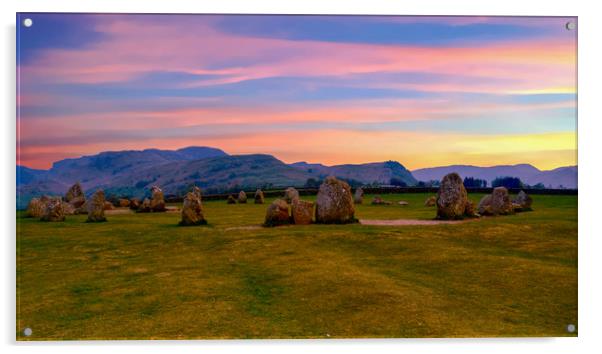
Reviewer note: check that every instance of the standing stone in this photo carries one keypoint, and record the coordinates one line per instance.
(452, 199)
(291, 193)
(334, 203)
(53, 210)
(231, 199)
(497, 203)
(145, 207)
(134, 203)
(522, 202)
(197, 191)
(124, 203)
(302, 211)
(75, 196)
(259, 197)
(68, 209)
(430, 201)
(242, 197)
(277, 213)
(35, 208)
(96, 207)
(192, 210)
(157, 202)
(358, 198)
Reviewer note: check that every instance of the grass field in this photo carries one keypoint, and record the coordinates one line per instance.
(141, 276)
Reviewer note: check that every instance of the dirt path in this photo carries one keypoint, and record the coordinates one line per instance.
(404, 222)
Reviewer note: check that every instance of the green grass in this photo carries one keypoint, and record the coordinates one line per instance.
(141, 276)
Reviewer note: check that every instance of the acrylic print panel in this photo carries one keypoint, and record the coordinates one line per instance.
(233, 176)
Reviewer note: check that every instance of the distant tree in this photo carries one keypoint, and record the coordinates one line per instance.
(508, 182)
(398, 182)
(538, 186)
(421, 184)
(471, 182)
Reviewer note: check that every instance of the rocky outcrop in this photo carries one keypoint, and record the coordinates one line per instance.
(334, 203)
(192, 210)
(452, 199)
(259, 199)
(242, 197)
(277, 213)
(302, 212)
(358, 197)
(290, 193)
(496, 203)
(53, 210)
(96, 207)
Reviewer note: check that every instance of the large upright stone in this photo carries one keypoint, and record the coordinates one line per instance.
(53, 210)
(358, 197)
(96, 207)
(302, 211)
(277, 213)
(157, 202)
(197, 191)
(496, 203)
(35, 208)
(259, 197)
(334, 203)
(452, 199)
(75, 196)
(290, 193)
(242, 197)
(192, 210)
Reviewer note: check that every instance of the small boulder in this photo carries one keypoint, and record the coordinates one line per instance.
(53, 210)
(522, 202)
(259, 197)
(403, 203)
(334, 203)
(377, 200)
(452, 199)
(242, 197)
(157, 202)
(302, 211)
(145, 206)
(35, 208)
(231, 199)
(277, 213)
(358, 197)
(496, 203)
(290, 193)
(192, 210)
(75, 196)
(124, 203)
(430, 201)
(96, 207)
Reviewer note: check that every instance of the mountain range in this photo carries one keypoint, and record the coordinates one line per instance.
(133, 172)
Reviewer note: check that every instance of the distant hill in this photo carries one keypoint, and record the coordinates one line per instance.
(377, 172)
(27, 175)
(565, 177)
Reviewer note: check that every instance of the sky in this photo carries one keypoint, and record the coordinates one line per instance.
(424, 91)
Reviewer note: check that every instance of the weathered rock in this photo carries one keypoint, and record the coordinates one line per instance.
(134, 203)
(403, 203)
(452, 199)
(302, 211)
(75, 196)
(83, 209)
(471, 210)
(358, 197)
(96, 207)
(242, 197)
(334, 203)
(35, 208)
(277, 213)
(231, 199)
(68, 209)
(497, 203)
(192, 210)
(259, 197)
(157, 202)
(124, 203)
(522, 202)
(145, 206)
(290, 193)
(430, 201)
(108, 205)
(53, 210)
(377, 200)
(196, 190)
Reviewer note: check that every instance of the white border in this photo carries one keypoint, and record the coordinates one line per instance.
(590, 234)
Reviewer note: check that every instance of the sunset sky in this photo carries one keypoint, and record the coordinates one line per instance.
(425, 91)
